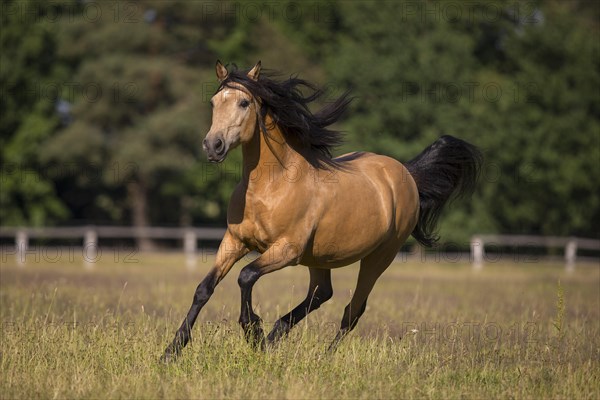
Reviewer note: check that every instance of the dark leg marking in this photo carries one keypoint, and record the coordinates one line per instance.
(319, 292)
(183, 335)
(250, 322)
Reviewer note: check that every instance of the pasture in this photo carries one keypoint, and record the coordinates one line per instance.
(437, 330)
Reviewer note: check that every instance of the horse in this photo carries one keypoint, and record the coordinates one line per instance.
(298, 205)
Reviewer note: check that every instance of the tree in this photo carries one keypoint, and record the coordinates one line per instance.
(519, 80)
(138, 108)
(28, 74)
(549, 136)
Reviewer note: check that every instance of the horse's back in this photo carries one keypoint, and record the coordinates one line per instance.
(390, 175)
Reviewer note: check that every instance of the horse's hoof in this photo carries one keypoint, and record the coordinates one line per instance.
(165, 359)
(168, 358)
(256, 343)
(263, 346)
(254, 335)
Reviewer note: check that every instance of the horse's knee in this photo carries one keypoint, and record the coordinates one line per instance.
(248, 277)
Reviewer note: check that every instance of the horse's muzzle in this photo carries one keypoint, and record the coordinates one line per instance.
(215, 148)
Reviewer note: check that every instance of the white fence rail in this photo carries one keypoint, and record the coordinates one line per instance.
(91, 235)
(570, 245)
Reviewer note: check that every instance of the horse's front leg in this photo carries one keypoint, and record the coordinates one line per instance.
(275, 258)
(230, 251)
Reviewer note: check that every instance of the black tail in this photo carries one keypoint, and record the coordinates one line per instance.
(445, 170)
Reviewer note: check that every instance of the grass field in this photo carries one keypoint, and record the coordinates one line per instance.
(435, 330)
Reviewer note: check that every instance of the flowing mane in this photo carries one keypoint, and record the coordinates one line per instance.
(288, 107)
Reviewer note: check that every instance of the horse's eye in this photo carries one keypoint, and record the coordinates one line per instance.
(212, 104)
(244, 103)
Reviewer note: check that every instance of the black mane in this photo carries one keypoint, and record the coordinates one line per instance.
(288, 106)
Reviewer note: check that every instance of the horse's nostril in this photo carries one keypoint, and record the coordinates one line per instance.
(218, 144)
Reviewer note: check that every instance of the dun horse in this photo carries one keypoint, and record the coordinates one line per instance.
(297, 205)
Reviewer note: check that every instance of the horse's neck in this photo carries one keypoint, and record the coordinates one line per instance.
(267, 161)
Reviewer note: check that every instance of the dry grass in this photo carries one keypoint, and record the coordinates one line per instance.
(432, 331)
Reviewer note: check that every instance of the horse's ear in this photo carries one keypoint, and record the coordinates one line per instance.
(254, 72)
(221, 71)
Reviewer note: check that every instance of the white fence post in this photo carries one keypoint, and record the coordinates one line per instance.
(22, 243)
(570, 255)
(90, 248)
(92, 252)
(477, 252)
(190, 242)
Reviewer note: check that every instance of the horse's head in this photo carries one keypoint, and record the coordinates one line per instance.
(234, 118)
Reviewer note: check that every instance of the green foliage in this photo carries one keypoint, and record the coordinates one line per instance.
(523, 87)
(141, 112)
(548, 139)
(27, 119)
(519, 79)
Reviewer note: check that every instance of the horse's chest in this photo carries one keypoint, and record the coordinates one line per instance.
(256, 230)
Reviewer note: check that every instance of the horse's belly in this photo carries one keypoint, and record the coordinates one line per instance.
(344, 242)
(349, 232)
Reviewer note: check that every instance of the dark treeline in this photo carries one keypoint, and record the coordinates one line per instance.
(104, 104)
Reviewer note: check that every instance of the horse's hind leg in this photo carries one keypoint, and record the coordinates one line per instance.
(319, 291)
(371, 268)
